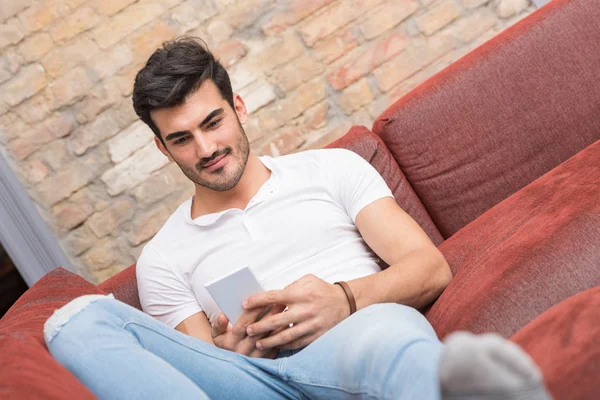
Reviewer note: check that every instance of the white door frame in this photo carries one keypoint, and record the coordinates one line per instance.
(24, 235)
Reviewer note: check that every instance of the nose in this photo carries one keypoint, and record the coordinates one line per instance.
(205, 147)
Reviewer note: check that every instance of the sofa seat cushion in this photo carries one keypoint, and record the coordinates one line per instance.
(502, 116)
(565, 344)
(370, 147)
(531, 251)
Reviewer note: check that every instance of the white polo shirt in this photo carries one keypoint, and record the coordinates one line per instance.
(300, 222)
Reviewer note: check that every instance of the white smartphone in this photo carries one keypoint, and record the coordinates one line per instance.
(230, 290)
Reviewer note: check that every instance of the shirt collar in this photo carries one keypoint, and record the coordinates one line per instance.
(267, 190)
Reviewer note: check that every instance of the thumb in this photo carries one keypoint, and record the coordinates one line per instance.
(220, 326)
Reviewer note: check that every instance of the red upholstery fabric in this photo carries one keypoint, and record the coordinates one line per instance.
(528, 253)
(502, 116)
(370, 147)
(124, 287)
(564, 342)
(27, 370)
(30, 312)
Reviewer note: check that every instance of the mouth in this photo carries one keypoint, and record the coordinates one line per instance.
(216, 163)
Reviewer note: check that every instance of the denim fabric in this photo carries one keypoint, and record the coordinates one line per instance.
(385, 351)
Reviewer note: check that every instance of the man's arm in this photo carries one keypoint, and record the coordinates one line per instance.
(197, 326)
(417, 273)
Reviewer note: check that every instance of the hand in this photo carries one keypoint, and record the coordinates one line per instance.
(314, 307)
(234, 338)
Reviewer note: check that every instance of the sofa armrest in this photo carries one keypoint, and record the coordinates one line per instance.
(570, 330)
(55, 289)
(531, 251)
(27, 370)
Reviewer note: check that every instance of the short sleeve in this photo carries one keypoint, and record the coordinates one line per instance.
(163, 294)
(355, 183)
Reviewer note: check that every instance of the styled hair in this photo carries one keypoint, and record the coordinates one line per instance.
(174, 72)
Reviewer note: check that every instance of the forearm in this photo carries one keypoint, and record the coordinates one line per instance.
(415, 280)
(197, 326)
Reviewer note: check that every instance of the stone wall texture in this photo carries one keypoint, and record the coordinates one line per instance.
(307, 69)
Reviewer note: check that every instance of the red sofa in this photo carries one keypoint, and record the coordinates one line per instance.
(498, 159)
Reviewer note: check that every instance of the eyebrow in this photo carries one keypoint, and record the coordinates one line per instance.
(206, 120)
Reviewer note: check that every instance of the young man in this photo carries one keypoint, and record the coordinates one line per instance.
(338, 326)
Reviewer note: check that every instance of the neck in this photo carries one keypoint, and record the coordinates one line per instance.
(207, 201)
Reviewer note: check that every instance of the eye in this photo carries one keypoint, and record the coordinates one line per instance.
(214, 124)
(181, 140)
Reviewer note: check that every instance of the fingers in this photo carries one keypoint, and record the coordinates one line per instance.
(248, 317)
(275, 332)
(263, 299)
(220, 326)
(285, 337)
(247, 346)
(271, 323)
(276, 309)
(271, 310)
(272, 333)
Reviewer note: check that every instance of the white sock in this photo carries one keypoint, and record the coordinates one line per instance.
(488, 367)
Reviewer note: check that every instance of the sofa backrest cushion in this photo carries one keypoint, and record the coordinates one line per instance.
(124, 287)
(564, 344)
(502, 116)
(370, 147)
(526, 254)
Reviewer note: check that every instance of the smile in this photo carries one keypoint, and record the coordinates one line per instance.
(216, 163)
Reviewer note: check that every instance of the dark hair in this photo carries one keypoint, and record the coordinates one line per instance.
(172, 73)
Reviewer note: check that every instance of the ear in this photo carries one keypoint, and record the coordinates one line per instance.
(240, 108)
(162, 148)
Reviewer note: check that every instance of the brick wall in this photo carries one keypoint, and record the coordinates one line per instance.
(307, 69)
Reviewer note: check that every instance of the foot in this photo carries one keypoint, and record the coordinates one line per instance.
(488, 366)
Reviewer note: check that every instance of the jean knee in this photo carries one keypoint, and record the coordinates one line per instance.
(391, 322)
(389, 312)
(63, 315)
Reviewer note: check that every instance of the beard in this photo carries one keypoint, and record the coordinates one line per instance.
(221, 180)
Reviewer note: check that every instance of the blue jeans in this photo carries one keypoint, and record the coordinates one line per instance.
(385, 351)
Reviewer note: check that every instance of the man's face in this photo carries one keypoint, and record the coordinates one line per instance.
(204, 136)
